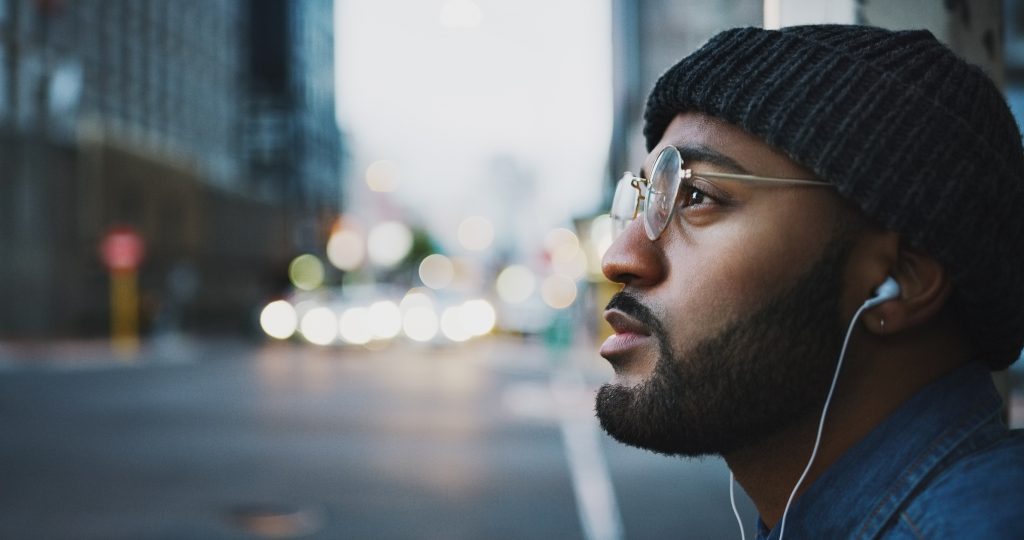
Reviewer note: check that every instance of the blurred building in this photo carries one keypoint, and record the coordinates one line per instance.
(150, 114)
(650, 36)
(291, 141)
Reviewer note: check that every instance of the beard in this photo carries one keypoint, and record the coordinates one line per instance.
(759, 375)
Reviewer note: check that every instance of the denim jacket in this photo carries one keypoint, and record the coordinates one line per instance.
(943, 465)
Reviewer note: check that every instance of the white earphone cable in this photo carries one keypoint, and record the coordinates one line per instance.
(732, 499)
(824, 413)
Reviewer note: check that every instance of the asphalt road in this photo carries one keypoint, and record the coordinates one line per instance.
(224, 440)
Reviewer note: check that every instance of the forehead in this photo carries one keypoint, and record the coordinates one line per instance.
(749, 151)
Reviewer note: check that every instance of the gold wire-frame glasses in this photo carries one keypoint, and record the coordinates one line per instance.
(658, 195)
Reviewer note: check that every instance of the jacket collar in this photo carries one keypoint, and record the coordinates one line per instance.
(861, 492)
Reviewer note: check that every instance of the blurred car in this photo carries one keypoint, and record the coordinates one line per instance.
(358, 315)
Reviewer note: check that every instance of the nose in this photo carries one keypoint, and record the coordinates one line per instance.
(633, 259)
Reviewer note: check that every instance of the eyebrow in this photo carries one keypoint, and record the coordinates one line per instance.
(703, 154)
(710, 156)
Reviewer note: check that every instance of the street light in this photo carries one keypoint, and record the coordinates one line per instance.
(279, 320)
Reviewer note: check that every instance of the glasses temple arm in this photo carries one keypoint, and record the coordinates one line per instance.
(753, 178)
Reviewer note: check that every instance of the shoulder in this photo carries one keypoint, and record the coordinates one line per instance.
(979, 495)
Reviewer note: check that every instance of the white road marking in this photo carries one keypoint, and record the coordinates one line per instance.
(592, 483)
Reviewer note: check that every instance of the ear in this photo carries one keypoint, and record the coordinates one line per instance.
(924, 290)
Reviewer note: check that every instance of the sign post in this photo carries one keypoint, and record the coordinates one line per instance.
(122, 250)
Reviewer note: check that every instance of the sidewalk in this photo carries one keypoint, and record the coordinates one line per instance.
(74, 354)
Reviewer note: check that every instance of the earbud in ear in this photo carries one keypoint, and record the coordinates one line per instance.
(888, 290)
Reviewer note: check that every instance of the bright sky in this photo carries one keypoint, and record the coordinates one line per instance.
(507, 116)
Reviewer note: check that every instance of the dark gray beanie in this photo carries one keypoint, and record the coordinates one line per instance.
(920, 140)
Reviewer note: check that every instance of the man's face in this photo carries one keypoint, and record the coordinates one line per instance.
(728, 326)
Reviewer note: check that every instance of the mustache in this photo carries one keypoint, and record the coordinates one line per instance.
(631, 305)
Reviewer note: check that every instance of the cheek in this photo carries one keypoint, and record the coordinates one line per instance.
(713, 281)
(720, 274)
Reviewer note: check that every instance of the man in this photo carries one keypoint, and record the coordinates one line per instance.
(790, 174)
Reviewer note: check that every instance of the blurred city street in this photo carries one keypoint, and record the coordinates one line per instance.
(232, 439)
(362, 208)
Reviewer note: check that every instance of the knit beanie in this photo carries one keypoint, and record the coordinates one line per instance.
(920, 140)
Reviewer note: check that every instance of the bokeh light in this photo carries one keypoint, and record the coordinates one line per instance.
(558, 291)
(319, 326)
(436, 271)
(562, 244)
(420, 323)
(476, 233)
(354, 326)
(278, 319)
(385, 319)
(454, 324)
(389, 242)
(306, 272)
(382, 176)
(573, 266)
(345, 249)
(418, 297)
(515, 284)
(480, 316)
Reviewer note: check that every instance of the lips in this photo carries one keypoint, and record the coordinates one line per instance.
(624, 324)
(629, 334)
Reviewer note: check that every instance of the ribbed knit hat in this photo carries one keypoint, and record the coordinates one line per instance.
(920, 140)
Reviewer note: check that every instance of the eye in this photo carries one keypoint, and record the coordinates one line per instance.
(693, 196)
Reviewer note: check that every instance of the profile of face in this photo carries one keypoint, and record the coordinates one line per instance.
(728, 326)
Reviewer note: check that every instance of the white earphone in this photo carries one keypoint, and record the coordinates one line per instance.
(888, 290)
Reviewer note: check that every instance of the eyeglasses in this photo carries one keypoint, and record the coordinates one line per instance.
(658, 195)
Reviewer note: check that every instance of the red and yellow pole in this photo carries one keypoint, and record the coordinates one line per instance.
(124, 312)
(122, 250)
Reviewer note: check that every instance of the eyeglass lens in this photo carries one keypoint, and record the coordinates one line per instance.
(624, 204)
(665, 180)
(659, 196)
